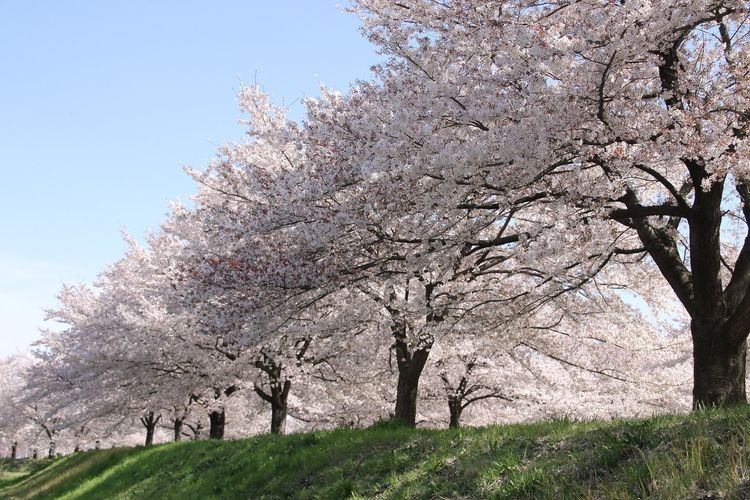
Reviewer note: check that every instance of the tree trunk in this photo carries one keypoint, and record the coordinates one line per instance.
(279, 395)
(216, 419)
(150, 435)
(718, 371)
(14, 450)
(278, 419)
(719, 310)
(455, 408)
(149, 421)
(178, 429)
(410, 366)
(406, 398)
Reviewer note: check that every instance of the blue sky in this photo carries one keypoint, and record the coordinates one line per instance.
(103, 102)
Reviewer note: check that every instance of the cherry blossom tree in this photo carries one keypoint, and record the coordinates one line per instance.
(625, 117)
(15, 427)
(495, 201)
(127, 349)
(416, 261)
(463, 385)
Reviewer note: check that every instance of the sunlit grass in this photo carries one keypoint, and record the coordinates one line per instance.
(702, 455)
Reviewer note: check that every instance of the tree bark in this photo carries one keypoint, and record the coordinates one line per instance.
(178, 429)
(718, 371)
(278, 401)
(407, 391)
(410, 366)
(279, 409)
(217, 419)
(149, 421)
(279, 392)
(149, 436)
(720, 315)
(719, 324)
(410, 359)
(455, 407)
(14, 450)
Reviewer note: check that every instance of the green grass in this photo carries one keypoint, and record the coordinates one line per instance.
(702, 455)
(13, 471)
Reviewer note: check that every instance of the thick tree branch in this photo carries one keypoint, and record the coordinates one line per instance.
(639, 211)
(662, 248)
(739, 284)
(263, 395)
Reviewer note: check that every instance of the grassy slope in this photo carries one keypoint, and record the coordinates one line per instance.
(697, 456)
(13, 471)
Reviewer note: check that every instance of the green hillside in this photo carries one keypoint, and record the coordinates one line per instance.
(703, 455)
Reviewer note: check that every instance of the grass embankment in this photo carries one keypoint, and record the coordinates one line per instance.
(703, 455)
(13, 471)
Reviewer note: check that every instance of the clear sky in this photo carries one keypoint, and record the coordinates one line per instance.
(103, 102)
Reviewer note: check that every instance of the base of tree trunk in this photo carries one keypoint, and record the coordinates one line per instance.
(718, 375)
(150, 435)
(149, 421)
(177, 429)
(410, 366)
(406, 401)
(217, 419)
(278, 419)
(455, 411)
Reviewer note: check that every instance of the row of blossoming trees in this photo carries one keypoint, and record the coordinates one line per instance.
(537, 208)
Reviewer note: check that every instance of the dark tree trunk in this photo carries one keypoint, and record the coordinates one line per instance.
(410, 366)
(279, 392)
(718, 317)
(149, 421)
(278, 419)
(455, 407)
(14, 450)
(178, 429)
(216, 418)
(77, 448)
(149, 436)
(410, 359)
(406, 398)
(719, 312)
(279, 396)
(718, 372)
